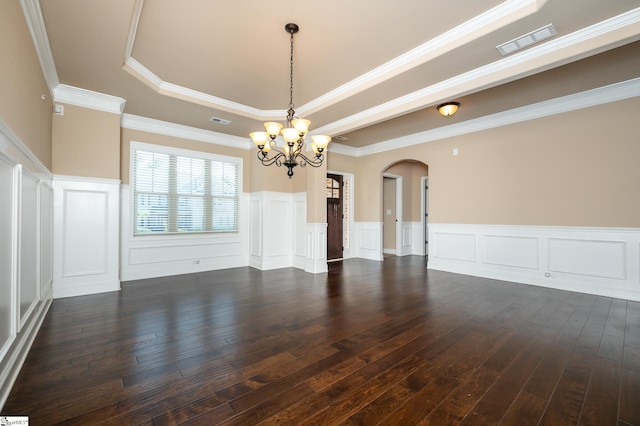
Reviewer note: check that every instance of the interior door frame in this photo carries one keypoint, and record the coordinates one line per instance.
(424, 214)
(347, 251)
(335, 220)
(398, 180)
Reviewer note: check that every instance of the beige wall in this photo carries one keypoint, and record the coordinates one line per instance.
(22, 84)
(574, 169)
(272, 178)
(86, 142)
(316, 194)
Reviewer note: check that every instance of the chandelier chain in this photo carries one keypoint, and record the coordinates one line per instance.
(291, 111)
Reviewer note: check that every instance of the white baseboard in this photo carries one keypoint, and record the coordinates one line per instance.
(20, 348)
(92, 287)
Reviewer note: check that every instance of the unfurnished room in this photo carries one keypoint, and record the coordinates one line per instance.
(320, 212)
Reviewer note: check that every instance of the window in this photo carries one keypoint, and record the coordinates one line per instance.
(180, 191)
(333, 188)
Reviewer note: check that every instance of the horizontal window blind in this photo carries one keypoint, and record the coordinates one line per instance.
(176, 193)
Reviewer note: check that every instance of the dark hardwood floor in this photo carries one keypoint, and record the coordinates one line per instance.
(369, 342)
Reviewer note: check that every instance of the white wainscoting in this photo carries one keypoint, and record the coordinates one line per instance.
(86, 223)
(29, 288)
(25, 253)
(417, 239)
(149, 256)
(278, 230)
(255, 228)
(367, 240)
(406, 239)
(300, 238)
(316, 237)
(45, 244)
(601, 261)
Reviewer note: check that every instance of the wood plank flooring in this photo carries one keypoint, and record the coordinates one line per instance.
(368, 343)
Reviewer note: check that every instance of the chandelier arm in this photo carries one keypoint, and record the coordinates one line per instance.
(267, 161)
(315, 162)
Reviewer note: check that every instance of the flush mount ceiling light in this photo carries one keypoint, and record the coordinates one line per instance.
(449, 108)
(289, 153)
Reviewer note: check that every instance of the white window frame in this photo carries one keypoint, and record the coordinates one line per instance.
(163, 149)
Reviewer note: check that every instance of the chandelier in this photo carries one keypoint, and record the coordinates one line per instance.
(290, 154)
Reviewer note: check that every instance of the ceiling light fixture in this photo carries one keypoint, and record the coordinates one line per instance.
(290, 153)
(448, 109)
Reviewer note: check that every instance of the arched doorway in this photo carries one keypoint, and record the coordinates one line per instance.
(405, 209)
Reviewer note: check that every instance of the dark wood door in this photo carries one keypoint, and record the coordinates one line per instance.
(334, 217)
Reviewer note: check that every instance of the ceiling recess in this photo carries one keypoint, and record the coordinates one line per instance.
(527, 40)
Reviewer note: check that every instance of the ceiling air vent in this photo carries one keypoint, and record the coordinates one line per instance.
(340, 138)
(527, 40)
(219, 121)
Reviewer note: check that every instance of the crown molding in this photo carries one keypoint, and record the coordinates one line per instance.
(142, 73)
(207, 100)
(88, 99)
(574, 46)
(133, 28)
(598, 37)
(491, 20)
(601, 95)
(579, 44)
(497, 17)
(35, 23)
(145, 124)
(145, 75)
(350, 151)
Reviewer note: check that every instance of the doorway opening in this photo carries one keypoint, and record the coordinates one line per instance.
(392, 214)
(339, 217)
(405, 209)
(335, 217)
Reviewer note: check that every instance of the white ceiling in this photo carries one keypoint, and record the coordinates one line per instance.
(371, 71)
